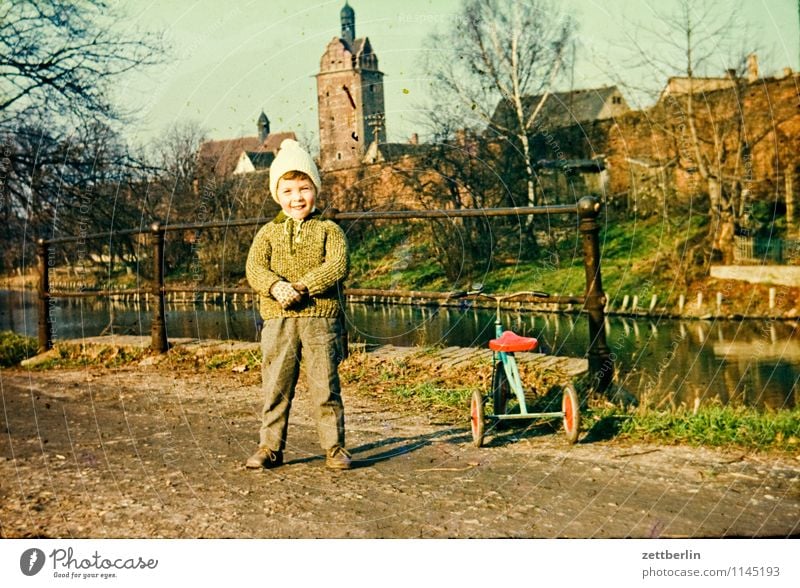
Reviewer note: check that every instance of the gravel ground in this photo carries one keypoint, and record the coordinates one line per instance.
(146, 452)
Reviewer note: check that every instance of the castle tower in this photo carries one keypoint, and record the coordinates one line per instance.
(349, 96)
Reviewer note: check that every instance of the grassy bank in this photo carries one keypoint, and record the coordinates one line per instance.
(634, 252)
(711, 426)
(14, 348)
(640, 258)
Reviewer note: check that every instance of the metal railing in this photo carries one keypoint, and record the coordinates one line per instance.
(763, 251)
(601, 365)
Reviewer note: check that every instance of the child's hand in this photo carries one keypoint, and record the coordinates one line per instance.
(300, 287)
(285, 294)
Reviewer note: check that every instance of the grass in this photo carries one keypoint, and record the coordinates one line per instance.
(718, 426)
(639, 257)
(429, 395)
(77, 356)
(14, 348)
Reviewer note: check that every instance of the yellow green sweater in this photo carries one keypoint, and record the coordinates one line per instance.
(312, 251)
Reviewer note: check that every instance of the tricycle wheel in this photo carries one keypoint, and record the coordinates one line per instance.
(501, 389)
(477, 418)
(570, 406)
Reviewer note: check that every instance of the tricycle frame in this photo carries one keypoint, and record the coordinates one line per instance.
(504, 367)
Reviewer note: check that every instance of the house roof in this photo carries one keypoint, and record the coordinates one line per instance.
(680, 85)
(273, 141)
(260, 159)
(573, 165)
(377, 152)
(562, 109)
(223, 155)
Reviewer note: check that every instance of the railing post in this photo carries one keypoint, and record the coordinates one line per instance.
(601, 364)
(45, 321)
(158, 329)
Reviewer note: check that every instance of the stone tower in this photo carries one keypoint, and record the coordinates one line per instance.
(350, 97)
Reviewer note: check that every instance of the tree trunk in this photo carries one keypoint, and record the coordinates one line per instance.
(791, 228)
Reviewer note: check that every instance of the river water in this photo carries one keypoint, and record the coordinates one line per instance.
(664, 362)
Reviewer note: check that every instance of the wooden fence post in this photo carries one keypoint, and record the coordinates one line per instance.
(158, 329)
(45, 320)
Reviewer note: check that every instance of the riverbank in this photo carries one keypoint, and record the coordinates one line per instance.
(441, 380)
(708, 301)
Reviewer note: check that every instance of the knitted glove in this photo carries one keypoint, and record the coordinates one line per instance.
(285, 294)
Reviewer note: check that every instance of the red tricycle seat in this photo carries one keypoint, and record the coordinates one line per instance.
(510, 342)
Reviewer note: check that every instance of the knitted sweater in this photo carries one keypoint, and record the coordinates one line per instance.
(312, 251)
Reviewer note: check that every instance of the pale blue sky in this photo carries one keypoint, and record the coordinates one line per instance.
(232, 59)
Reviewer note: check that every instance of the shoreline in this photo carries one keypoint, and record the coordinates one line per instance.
(219, 299)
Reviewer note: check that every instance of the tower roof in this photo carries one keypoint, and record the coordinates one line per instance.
(347, 10)
(348, 19)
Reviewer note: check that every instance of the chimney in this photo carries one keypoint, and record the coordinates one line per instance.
(752, 68)
(414, 140)
(731, 73)
(787, 72)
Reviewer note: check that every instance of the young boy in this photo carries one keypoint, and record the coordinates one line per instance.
(296, 264)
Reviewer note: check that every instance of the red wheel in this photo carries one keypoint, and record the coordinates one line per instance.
(477, 419)
(570, 406)
(501, 390)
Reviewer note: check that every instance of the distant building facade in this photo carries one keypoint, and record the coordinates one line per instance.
(681, 85)
(564, 109)
(244, 154)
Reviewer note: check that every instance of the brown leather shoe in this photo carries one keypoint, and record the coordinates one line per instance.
(264, 458)
(338, 458)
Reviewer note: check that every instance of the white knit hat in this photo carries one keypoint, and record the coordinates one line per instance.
(292, 157)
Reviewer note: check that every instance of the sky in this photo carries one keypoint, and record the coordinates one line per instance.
(228, 61)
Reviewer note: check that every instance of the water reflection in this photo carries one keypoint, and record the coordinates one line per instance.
(663, 362)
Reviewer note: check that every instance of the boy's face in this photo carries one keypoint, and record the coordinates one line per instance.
(297, 197)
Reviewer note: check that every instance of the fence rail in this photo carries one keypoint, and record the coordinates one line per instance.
(601, 365)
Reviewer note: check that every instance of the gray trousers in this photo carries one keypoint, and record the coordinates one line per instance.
(318, 342)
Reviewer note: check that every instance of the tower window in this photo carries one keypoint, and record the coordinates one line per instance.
(339, 155)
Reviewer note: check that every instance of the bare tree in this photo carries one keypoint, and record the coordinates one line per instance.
(68, 184)
(713, 126)
(66, 167)
(500, 53)
(60, 57)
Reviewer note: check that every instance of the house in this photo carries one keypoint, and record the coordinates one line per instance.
(244, 154)
(681, 85)
(678, 86)
(564, 180)
(564, 109)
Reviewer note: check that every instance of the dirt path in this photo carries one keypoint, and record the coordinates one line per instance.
(146, 452)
